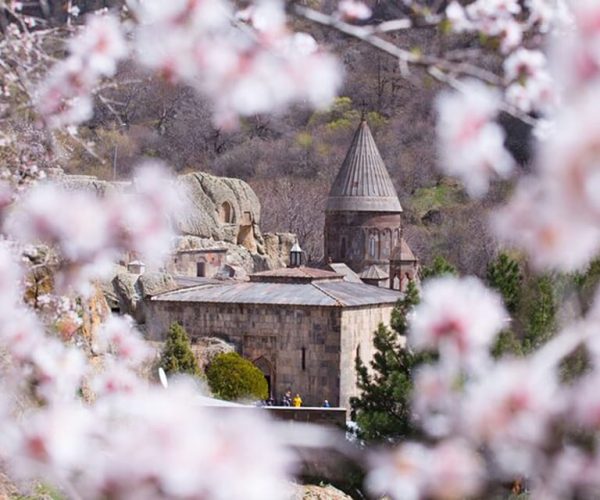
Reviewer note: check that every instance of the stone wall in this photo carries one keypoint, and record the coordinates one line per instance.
(185, 262)
(358, 327)
(275, 337)
(348, 238)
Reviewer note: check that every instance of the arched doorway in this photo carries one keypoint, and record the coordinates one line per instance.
(266, 367)
(226, 213)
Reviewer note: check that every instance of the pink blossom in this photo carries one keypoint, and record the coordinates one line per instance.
(542, 13)
(142, 222)
(435, 400)
(242, 74)
(540, 223)
(50, 442)
(119, 337)
(471, 145)
(450, 470)
(115, 378)
(53, 215)
(354, 10)
(10, 280)
(268, 17)
(184, 14)
(101, 45)
(456, 14)
(460, 317)
(21, 333)
(58, 370)
(570, 159)
(524, 63)
(65, 96)
(509, 410)
(493, 18)
(187, 438)
(572, 469)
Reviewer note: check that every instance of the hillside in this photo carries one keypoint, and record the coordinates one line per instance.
(290, 159)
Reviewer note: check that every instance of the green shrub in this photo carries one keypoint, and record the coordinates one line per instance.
(177, 355)
(232, 377)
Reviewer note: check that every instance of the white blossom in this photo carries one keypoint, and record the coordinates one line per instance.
(413, 471)
(354, 10)
(471, 144)
(509, 410)
(460, 317)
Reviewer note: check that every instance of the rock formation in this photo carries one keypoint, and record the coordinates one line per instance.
(218, 212)
(131, 290)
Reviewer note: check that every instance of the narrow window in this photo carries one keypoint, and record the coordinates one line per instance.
(372, 246)
(200, 271)
(343, 249)
(304, 358)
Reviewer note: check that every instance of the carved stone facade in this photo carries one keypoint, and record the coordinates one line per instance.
(202, 263)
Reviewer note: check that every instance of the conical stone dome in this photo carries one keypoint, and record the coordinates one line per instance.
(363, 183)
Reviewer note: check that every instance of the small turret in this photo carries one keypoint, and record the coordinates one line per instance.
(296, 256)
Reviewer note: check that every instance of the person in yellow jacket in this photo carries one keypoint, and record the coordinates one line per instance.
(297, 401)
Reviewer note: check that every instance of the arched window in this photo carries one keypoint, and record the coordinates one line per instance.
(226, 213)
(396, 238)
(374, 245)
(386, 243)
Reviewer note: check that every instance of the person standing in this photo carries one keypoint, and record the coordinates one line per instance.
(287, 398)
(297, 402)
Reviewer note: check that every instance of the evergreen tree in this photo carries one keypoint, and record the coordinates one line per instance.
(177, 355)
(504, 275)
(507, 343)
(587, 284)
(542, 315)
(439, 267)
(232, 377)
(383, 411)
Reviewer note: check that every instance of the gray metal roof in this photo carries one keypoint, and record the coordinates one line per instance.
(363, 183)
(319, 293)
(345, 271)
(292, 274)
(374, 272)
(403, 253)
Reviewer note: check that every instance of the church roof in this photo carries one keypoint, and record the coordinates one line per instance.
(291, 274)
(373, 272)
(402, 252)
(363, 183)
(326, 293)
(345, 271)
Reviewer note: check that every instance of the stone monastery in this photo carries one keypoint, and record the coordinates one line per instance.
(302, 327)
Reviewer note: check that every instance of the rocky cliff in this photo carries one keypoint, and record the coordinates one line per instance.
(217, 212)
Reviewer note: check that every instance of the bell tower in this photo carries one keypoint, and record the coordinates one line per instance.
(363, 213)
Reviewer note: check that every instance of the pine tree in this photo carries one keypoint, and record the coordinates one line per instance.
(439, 267)
(504, 275)
(541, 314)
(177, 355)
(383, 411)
